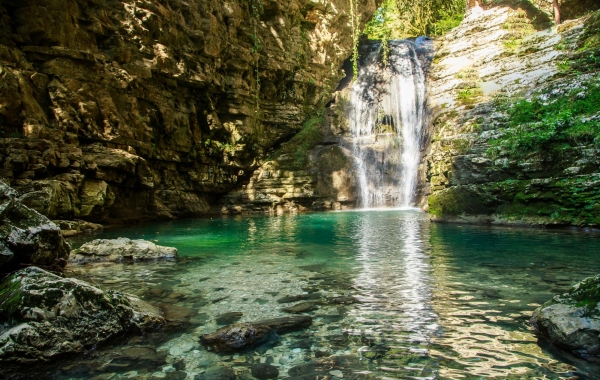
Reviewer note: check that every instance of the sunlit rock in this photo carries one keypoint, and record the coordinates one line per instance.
(121, 249)
(572, 320)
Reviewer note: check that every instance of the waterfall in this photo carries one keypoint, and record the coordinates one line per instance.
(386, 122)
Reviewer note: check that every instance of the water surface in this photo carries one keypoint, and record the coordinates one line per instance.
(433, 300)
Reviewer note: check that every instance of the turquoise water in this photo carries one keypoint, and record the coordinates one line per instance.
(434, 300)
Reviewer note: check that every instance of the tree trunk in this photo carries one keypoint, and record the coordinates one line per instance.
(556, 12)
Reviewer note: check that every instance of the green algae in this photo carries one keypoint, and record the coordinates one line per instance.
(585, 294)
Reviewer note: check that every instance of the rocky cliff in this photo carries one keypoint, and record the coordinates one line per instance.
(515, 120)
(116, 110)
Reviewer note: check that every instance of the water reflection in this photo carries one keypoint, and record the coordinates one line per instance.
(436, 301)
(394, 287)
(485, 291)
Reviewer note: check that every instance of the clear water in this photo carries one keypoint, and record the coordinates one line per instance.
(435, 301)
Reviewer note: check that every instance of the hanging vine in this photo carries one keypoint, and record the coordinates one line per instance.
(356, 32)
(256, 10)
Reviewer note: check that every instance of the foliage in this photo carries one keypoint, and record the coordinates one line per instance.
(398, 19)
(355, 19)
(294, 153)
(549, 122)
(469, 96)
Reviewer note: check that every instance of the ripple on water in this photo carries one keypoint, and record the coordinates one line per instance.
(395, 296)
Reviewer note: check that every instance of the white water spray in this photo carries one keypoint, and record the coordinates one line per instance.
(386, 122)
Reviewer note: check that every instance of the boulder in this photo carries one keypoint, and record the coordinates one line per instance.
(121, 249)
(241, 336)
(46, 316)
(27, 237)
(572, 320)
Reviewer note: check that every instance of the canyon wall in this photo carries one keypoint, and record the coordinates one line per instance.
(117, 110)
(515, 120)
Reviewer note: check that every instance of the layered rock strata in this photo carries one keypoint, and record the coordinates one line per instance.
(491, 161)
(325, 182)
(116, 110)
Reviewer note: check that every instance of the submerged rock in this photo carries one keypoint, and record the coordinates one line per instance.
(48, 316)
(300, 297)
(229, 318)
(264, 371)
(302, 307)
(121, 249)
(572, 320)
(217, 373)
(240, 336)
(27, 237)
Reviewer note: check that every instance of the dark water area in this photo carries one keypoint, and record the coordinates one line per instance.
(433, 301)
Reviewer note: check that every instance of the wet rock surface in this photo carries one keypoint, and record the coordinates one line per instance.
(244, 335)
(572, 320)
(27, 237)
(46, 316)
(121, 249)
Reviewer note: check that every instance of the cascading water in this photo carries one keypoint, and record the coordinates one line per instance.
(386, 122)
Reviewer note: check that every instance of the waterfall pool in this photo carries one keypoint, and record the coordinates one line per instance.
(432, 300)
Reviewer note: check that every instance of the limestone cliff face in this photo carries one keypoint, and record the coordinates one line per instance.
(314, 171)
(131, 110)
(489, 163)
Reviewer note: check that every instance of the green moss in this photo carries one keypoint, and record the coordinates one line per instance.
(551, 123)
(294, 154)
(590, 38)
(565, 201)
(10, 298)
(457, 200)
(584, 294)
(469, 96)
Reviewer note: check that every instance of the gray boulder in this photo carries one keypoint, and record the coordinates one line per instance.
(121, 249)
(27, 237)
(43, 316)
(572, 320)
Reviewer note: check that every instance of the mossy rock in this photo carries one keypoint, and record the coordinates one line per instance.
(572, 320)
(48, 316)
(454, 201)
